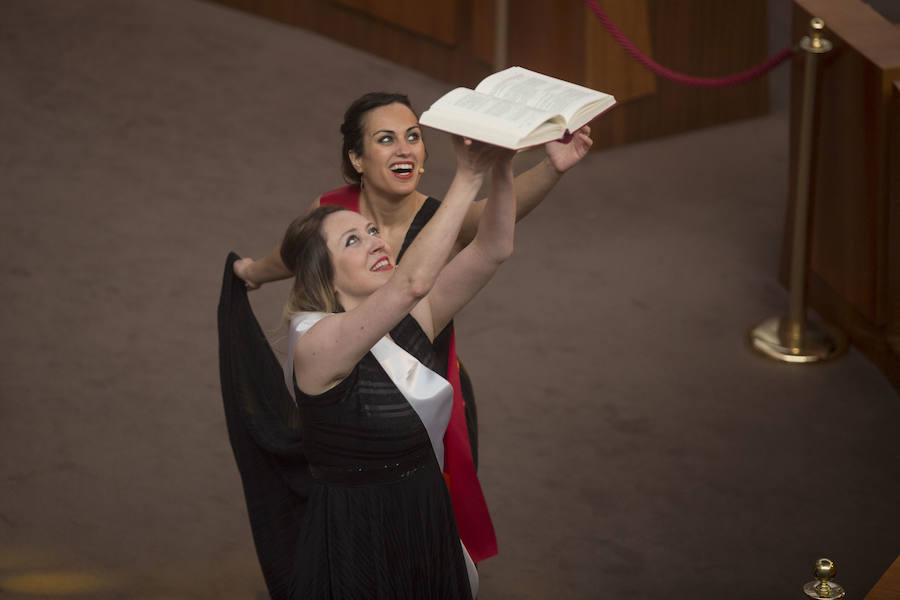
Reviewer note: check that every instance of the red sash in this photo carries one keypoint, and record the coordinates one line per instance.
(472, 518)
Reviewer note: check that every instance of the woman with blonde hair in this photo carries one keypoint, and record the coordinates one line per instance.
(372, 407)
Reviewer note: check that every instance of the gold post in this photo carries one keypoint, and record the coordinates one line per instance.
(823, 588)
(794, 338)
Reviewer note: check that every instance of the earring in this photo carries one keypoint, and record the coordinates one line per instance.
(421, 170)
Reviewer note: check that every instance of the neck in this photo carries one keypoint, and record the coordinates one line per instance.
(388, 212)
(348, 303)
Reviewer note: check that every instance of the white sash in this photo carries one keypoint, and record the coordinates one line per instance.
(429, 394)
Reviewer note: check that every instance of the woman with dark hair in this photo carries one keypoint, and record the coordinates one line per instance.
(382, 158)
(378, 522)
(392, 200)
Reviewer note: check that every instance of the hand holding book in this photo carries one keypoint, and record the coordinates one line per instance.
(517, 108)
(478, 158)
(565, 153)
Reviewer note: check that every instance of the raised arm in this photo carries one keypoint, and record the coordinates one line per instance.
(474, 265)
(532, 186)
(268, 268)
(329, 351)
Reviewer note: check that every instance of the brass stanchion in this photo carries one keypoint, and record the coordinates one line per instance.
(794, 338)
(823, 588)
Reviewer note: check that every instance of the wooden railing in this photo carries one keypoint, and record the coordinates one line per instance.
(855, 190)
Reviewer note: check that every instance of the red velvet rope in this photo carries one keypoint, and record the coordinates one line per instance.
(662, 71)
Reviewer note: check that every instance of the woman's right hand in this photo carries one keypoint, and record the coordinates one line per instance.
(242, 269)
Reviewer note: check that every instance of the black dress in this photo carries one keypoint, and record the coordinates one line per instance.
(379, 523)
(328, 519)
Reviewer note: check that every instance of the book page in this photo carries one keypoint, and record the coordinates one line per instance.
(539, 91)
(473, 106)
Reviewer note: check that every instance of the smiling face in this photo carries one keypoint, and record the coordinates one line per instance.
(361, 259)
(392, 151)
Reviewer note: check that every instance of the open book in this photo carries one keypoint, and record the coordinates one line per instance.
(516, 108)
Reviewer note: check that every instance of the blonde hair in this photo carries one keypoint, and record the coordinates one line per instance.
(305, 253)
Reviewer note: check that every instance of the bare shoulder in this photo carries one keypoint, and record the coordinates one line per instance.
(318, 332)
(318, 362)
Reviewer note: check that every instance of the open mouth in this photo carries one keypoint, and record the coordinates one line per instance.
(404, 169)
(383, 264)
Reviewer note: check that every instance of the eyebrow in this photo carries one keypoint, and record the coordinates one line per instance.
(391, 131)
(353, 229)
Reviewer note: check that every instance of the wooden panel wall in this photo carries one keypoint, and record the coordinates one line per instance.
(453, 40)
(607, 65)
(893, 227)
(484, 25)
(888, 586)
(446, 39)
(854, 183)
(705, 38)
(438, 21)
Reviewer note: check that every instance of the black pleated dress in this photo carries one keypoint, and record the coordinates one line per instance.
(344, 494)
(379, 523)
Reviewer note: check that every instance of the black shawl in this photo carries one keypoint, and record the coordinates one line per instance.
(264, 430)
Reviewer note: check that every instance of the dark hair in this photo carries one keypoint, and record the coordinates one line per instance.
(353, 126)
(305, 252)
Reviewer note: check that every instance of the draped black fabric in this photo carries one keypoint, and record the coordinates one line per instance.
(264, 430)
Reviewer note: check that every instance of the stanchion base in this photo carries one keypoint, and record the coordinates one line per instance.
(821, 342)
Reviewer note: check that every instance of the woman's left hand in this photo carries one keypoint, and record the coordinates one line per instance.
(565, 156)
